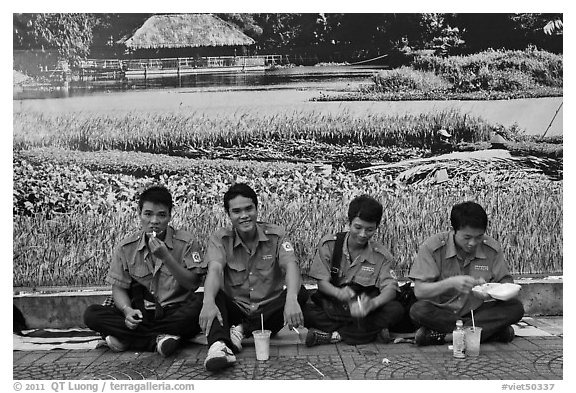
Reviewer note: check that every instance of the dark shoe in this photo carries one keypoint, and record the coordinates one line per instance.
(505, 335)
(425, 336)
(318, 337)
(384, 336)
(166, 344)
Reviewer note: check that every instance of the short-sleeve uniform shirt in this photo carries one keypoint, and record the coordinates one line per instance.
(133, 261)
(252, 279)
(438, 259)
(373, 267)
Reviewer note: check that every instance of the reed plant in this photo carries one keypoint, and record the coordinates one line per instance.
(169, 133)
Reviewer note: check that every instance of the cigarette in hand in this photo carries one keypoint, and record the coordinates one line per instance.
(296, 330)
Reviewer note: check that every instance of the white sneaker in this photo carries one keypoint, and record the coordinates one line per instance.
(236, 336)
(167, 344)
(219, 357)
(115, 344)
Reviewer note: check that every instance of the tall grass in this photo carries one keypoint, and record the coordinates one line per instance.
(503, 70)
(525, 215)
(171, 132)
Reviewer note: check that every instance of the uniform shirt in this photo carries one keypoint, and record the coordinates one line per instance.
(371, 268)
(252, 279)
(437, 260)
(133, 261)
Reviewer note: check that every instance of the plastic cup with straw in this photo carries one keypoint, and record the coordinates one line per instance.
(262, 341)
(472, 338)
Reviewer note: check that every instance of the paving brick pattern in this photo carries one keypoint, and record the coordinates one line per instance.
(526, 358)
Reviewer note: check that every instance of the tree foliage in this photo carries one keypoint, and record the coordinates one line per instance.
(70, 34)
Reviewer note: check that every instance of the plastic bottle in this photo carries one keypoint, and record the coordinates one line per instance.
(458, 343)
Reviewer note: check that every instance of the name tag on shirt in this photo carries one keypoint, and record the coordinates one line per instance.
(367, 269)
(266, 257)
(481, 267)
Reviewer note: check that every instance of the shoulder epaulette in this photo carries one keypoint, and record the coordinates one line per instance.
(380, 249)
(131, 238)
(491, 242)
(272, 229)
(224, 232)
(185, 236)
(437, 241)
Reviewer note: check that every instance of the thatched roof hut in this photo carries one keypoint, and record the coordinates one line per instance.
(185, 31)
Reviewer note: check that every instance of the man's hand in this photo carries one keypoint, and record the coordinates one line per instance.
(207, 314)
(157, 247)
(344, 294)
(464, 284)
(133, 317)
(361, 307)
(293, 313)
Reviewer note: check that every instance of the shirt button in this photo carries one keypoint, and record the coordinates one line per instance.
(251, 289)
(250, 273)
(484, 241)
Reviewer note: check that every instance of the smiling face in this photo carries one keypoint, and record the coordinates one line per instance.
(154, 217)
(468, 238)
(361, 232)
(243, 215)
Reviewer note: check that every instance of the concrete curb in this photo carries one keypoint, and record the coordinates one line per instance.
(60, 307)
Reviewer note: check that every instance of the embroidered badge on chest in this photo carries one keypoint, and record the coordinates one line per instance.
(266, 257)
(196, 257)
(287, 246)
(369, 269)
(481, 267)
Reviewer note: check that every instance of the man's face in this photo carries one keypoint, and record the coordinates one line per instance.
(243, 214)
(468, 238)
(361, 231)
(154, 217)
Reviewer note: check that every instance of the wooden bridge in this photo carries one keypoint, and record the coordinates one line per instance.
(148, 68)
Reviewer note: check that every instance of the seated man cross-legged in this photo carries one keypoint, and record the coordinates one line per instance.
(155, 272)
(447, 267)
(355, 301)
(248, 267)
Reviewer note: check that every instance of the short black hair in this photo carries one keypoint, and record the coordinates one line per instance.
(468, 214)
(241, 189)
(365, 208)
(156, 194)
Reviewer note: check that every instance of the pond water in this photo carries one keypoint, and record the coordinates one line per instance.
(284, 91)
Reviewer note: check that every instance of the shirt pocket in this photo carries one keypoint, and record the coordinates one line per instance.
(236, 273)
(365, 277)
(140, 272)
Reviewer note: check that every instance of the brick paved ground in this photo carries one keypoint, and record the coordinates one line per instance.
(526, 358)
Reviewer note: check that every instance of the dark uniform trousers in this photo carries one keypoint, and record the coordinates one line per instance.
(491, 316)
(232, 314)
(179, 320)
(354, 330)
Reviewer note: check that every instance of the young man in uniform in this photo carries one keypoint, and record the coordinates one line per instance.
(155, 272)
(355, 301)
(248, 266)
(447, 267)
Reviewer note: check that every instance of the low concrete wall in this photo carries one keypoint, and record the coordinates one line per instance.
(64, 309)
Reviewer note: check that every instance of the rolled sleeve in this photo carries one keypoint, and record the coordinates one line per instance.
(118, 273)
(424, 267)
(500, 270)
(385, 279)
(215, 252)
(320, 267)
(286, 253)
(192, 258)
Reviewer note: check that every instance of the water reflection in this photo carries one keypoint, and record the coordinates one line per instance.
(289, 76)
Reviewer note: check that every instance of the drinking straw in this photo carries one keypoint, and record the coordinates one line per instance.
(473, 325)
(359, 304)
(262, 321)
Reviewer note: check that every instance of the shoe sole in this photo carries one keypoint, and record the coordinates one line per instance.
(216, 364)
(168, 347)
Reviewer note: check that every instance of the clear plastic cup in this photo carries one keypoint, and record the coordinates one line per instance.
(262, 344)
(472, 340)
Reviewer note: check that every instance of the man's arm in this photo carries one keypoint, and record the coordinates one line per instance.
(122, 301)
(292, 312)
(427, 290)
(187, 279)
(344, 294)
